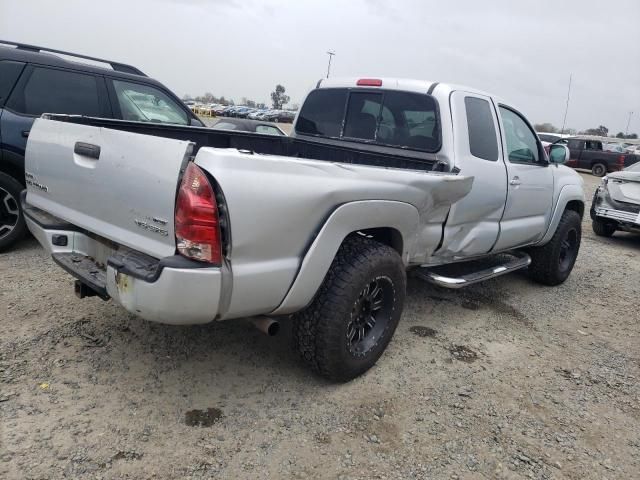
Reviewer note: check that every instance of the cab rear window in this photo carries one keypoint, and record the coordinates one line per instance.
(389, 117)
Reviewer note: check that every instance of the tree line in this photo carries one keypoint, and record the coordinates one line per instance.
(600, 131)
(278, 99)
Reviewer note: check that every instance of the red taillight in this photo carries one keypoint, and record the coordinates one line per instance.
(196, 220)
(369, 82)
(621, 160)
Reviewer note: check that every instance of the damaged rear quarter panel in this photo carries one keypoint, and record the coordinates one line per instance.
(278, 206)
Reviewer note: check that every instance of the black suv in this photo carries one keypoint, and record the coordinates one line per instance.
(37, 80)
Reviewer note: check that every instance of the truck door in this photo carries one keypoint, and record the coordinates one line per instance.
(473, 223)
(530, 183)
(575, 148)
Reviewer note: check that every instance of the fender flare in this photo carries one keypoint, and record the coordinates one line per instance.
(568, 193)
(344, 220)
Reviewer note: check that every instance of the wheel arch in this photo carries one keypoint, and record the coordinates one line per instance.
(13, 171)
(571, 197)
(389, 222)
(389, 236)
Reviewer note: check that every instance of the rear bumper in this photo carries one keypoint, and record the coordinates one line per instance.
(603, 206)
(618, 215)
(172, 290)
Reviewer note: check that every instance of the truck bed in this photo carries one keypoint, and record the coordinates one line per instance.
(265, 144)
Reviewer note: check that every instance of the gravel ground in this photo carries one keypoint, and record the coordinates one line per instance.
(507, 379)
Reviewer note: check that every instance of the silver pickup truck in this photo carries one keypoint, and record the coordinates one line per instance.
(381, 177)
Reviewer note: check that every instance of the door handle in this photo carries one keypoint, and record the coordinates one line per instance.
(25, 133)
(87, 150)
(515, 181)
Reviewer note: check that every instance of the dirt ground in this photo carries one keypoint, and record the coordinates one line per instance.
(506, 379)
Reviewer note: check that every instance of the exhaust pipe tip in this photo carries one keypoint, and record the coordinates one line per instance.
(266, 325)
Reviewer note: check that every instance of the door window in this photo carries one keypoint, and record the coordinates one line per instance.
(144, 103)
(9, 73)
(522, 146)
(57, 91)
(483, 142)
(575, 144)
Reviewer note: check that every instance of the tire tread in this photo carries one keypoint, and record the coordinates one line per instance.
(316, 328)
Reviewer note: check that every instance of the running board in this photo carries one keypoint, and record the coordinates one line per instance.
(475, 273)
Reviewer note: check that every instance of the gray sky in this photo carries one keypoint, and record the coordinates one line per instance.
(522, 51)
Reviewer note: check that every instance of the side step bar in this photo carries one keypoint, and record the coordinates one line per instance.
(475, 274)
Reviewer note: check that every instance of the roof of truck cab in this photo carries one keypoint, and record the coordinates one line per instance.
(407, 84)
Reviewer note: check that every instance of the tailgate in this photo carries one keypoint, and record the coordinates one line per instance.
(116, 184)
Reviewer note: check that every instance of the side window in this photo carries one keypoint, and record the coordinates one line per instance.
(483, 142)
(322, 113)
(57, 91)
(522, 146)
(144, 103)
(9, 73)
(362, 115)
(575, 144)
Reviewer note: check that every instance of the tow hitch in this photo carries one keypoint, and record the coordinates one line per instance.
(83, 290)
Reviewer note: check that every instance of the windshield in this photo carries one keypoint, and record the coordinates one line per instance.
(143, 103)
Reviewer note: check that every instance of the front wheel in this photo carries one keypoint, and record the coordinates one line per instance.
(552, 263)
(351, 321)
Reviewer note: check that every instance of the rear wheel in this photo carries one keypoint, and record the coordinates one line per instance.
(552, 263)
(12, 226)
(603, 228)
(355, 313)
(599, 169)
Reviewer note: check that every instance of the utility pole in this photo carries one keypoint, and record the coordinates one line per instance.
(566, 109)
(626, 132)
(331, 54)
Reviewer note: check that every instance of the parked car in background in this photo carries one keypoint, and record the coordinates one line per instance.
(633, 149)
(283, 116)
(226, 111)
(614, 147)
(35, 80)
(218, 109)
(264, 114)
(616, 203)
(246, 125)
(548, 138)
(256, 114)
(243, 112)
(380, 177)
(589, 154)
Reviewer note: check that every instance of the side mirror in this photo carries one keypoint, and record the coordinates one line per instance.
(196, 123)
(558, 153)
